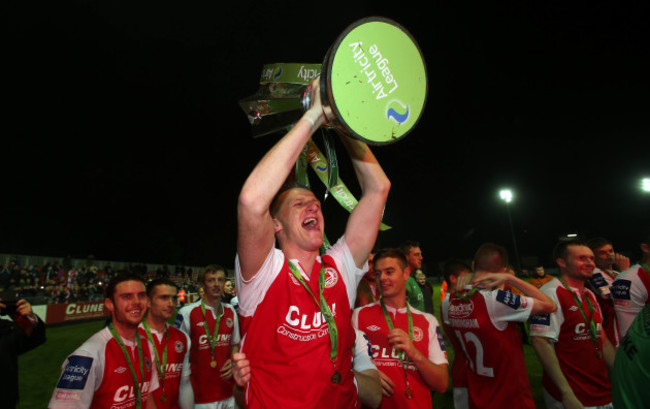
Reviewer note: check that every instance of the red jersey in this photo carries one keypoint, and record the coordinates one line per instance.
(427, 338)
(459, 366)
(206, 381)
(566, 327)
(97, 375)
(485, 326)
(286, 338)
(178, 346)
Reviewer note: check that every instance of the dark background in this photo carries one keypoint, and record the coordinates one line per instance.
(123, 137)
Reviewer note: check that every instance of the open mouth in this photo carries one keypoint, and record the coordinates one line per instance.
(310, 223)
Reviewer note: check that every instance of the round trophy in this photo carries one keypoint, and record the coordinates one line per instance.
(374, 81)
(373, 85)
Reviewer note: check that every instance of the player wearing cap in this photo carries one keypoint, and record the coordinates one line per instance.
(214, 333)
(407, 343)
(114, 367)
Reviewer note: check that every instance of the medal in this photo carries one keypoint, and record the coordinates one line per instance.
(599, 354)
(408, 393)
(213, 364)
(163, 397)
(336, 378)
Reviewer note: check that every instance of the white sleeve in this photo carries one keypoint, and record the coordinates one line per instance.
(250, 293)
(350, 273)
(504, 306)
(444, 309)
(362, 353)
(81, 375)
(154, 383)
(187, 370)
(234, 340)
(548, 325)
(437, 350)
(182, 321)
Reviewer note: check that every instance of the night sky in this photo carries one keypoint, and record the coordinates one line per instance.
(124, 139)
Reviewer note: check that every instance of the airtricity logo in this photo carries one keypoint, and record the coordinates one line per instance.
(397, 111)
(278, 72)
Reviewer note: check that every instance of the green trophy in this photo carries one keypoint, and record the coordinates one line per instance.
(373, 85)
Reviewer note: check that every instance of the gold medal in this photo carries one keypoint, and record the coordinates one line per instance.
(163, 397)
(599, 354)
(408, 393)
(213, 364)
(336, 378)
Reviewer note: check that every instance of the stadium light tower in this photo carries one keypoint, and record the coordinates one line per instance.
(507, 196)
(645, 185)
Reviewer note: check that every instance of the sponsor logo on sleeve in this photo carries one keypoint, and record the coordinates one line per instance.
(598, 280)
(179, 320)
(621, 289)
(511, 300)
(540, 323)
(369, 345)
(441, 340)
(76, 372)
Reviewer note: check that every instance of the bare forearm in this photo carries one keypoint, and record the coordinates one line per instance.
(547, 357)
(369, 387)
(543, 304)
(435, 376)
(363, 224)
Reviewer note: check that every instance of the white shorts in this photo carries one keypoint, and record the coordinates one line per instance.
(222, 404)
(461, 398)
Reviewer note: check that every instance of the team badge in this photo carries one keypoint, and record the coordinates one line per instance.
(418, 334)
(229, 322)
(178, 347)
(147, 363)
(331, 277)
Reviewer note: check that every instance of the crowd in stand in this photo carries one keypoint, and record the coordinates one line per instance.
(58, 283)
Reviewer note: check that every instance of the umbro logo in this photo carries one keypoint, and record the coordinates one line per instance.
(573, 308)
(373, 328)
(120, 370)
(199, 324)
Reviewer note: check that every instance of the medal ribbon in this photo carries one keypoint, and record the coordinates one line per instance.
(590, 322)
(127, 356)
(645, 268)
(389, 321)
(212, 339)
(466, 295)
(610, 274)
(163, 367)
(402, 357)
(322, 304)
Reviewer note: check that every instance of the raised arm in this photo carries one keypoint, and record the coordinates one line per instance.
(255, 236)
(542, 305)
(363, 223)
